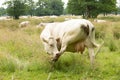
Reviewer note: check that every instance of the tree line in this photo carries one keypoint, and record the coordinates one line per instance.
(91, 8)
(87, 8)
(17, 8)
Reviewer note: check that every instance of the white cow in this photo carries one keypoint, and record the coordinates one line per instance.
(73, 36)
(99, 21)
(24, 24)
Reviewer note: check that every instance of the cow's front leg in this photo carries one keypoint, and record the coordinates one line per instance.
(57, 55)
(63, 48)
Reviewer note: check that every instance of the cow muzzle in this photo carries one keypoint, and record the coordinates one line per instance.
(56, 57)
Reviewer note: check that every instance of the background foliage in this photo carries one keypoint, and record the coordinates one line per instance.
(86, 8)
(91, 8)
(17, 8)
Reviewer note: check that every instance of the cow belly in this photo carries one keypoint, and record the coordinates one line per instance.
(76, 47)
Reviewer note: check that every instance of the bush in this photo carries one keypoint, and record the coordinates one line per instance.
(112, 46)
(99, 34)
(116, 35)
(7, 65)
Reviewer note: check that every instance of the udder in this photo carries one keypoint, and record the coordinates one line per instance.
(80, 47)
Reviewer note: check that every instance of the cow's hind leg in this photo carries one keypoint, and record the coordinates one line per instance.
(91, 55)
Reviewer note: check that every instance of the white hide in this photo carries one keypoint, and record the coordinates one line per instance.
(69, 36)
(24, 24)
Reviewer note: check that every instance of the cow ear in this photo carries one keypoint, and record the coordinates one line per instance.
(44, 40)
(58, 39)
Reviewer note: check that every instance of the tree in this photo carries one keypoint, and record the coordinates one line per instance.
(74, 8)
(2, 11)
(41, 9)
(109, 6)
(49, 7)
(56, 7)
(65, 11)
(30, 7)
(91, 8)
(15, 8)
(118, 11)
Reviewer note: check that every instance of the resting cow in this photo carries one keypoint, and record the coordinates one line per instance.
(24, 24)
(74, 36)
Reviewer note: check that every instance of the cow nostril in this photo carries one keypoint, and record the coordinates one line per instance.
(57, 54)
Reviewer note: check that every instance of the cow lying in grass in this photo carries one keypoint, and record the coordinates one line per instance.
(24, 24)
(73, 35)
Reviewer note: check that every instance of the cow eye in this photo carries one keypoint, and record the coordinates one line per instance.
(51, 45)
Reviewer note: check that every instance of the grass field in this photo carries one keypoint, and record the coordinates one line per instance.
(22, 56)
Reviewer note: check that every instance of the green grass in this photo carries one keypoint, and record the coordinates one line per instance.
(22, 56)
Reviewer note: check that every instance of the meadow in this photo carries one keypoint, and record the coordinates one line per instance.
(22, 56)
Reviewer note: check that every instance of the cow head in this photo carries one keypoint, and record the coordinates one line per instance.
(50, 45)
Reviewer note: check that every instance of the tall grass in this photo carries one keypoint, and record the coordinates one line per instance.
(23, 57)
